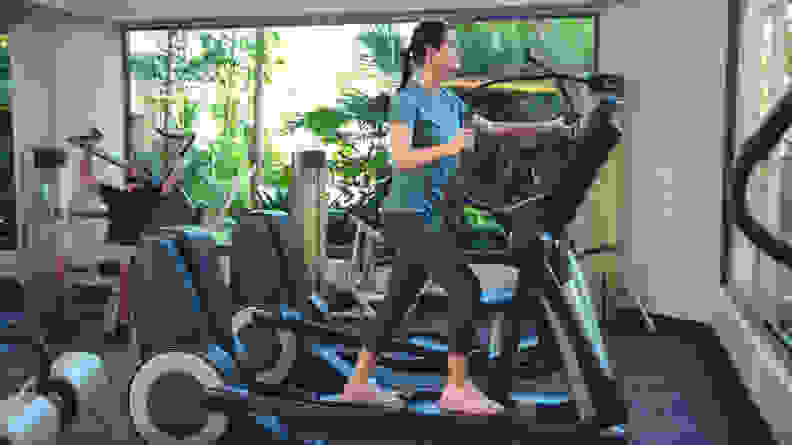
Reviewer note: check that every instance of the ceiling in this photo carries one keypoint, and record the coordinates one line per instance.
(181, 11)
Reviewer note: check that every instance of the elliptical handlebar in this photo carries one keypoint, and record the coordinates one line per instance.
(601, 131)
(603, 111)
(755, 149)
(599, 83)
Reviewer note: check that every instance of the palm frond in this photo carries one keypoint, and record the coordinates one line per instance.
(369, 110)
(384, 45)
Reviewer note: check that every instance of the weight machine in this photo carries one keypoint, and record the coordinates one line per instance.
(51, 291)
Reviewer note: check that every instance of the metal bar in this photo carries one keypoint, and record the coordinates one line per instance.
(732, 95)
(496, 334)
(369, 252)
(356, 261)
(127, 132)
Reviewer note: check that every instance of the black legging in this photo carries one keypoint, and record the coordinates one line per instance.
(419, 252)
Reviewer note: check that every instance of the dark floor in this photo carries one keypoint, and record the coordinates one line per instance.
(683, 387)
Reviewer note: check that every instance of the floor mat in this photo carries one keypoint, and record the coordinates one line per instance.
(682, 387)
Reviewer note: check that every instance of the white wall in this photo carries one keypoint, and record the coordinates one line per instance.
(69, 78)
(90, 88)
(673, 64)
(32, 100)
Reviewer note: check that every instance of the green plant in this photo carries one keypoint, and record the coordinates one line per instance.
(230, 167)
(214, 52)
(349, 162)
(385, 45)
(562, 41)
(277, 199)
(369, 113)
(219, 173)
(211, 174)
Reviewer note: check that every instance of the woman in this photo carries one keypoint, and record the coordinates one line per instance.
(426, 135)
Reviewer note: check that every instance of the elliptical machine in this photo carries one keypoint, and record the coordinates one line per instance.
(297, 340)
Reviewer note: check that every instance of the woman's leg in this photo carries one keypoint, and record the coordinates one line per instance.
(453, 273)
(421, 250)
(464, 288)
(406, 280)
(460, 394)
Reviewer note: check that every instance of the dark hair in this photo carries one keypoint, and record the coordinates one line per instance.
(426, 34)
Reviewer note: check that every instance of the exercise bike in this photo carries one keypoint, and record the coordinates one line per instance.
(594, 403)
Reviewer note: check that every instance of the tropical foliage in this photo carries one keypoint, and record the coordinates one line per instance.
(222, 168)
(483, 45)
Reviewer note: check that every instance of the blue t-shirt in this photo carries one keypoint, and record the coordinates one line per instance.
(434, 118)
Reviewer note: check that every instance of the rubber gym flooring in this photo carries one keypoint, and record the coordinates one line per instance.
(683, 387)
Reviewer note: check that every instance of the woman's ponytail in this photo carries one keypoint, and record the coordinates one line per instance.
(406, 68)
(426, 34)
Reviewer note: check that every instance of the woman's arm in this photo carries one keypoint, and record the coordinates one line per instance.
(401, 140)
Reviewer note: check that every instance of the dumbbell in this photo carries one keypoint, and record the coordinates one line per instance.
(49, 402)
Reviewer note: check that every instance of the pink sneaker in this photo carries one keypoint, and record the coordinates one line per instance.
(469, 401)
(370, 394)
